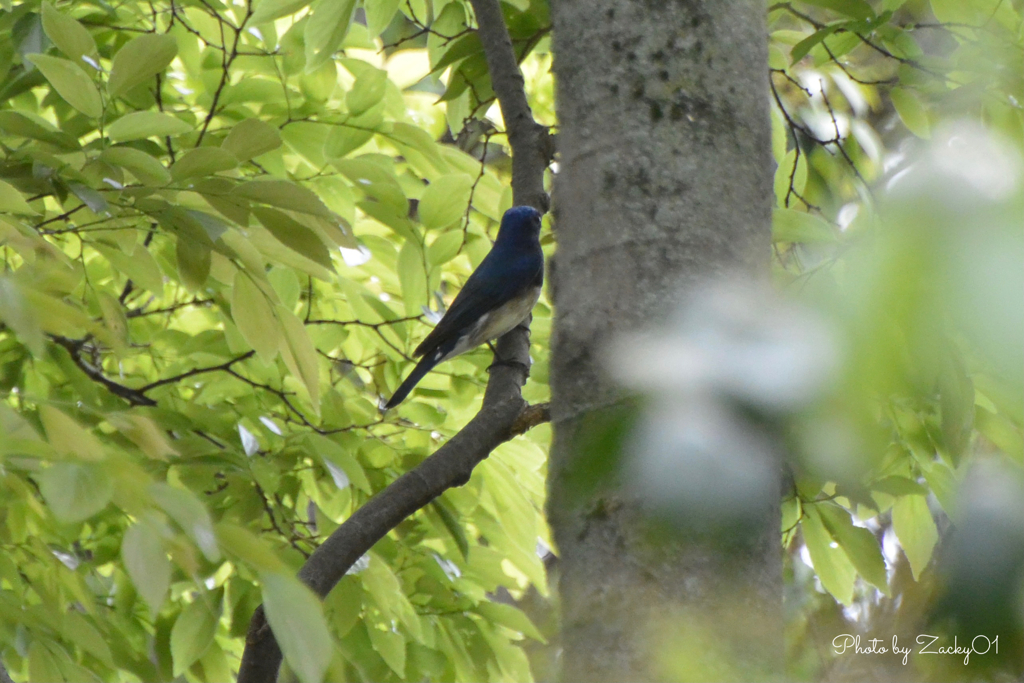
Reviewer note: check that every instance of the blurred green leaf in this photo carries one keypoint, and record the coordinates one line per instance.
(203, 161)
(367, 91)
(75, 491)
(294, 235)
(147, 169)
(296, 617)
(146, 562)
(251, 138)
(70, 37)
(140, 59)
(445, 200)
(831, 564)
(790, 225)
(912, 521)
(193, 631)
(379, 15)
(912, 111)
(254, 316)
(859, 544)
(12, 201)
(268, 10)
(146, 124)
(71, 82)
(326, 29)
(190, 514)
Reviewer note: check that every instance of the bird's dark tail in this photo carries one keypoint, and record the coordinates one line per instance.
(422, 368)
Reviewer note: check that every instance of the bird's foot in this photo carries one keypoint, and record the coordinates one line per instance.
(498, 362)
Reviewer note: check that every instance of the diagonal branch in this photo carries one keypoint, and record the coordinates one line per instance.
(195, 371)
(135, 397)
(504, 413)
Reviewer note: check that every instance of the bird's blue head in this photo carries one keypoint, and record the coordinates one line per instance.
(520, 224)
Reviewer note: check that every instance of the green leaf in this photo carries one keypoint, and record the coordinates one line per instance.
(830, 564)
(302, 354)
(344, 139)
(193, 260)
(445, 200)
(329, 450)
(912, 521)
(90, 197)
(246, 546)
(17, 313)
(193, 631)
(142, 431)
(912, 111)
(70, 37)
(79, 630)
(139, 266)
(998, 429)
(412, 141)
(367, 91)
(42, 664)
(898, 486)
(326, 30)
(146, 563)
(790, 225)
(294, 235)
(250, 138)
(801, 49)
(71, 82)
(859, 544)
(297, 619)
(203, 161)
(460, 48)
(510, 617)
(451, 523)
(11, 201)
(390, 646)
(254, 317)
(283, 194)
(413, 276)
(142, 58)
(147, 169)
(68, 437)
(146, 124)
(268, 10)
(379, 14)
(188, 513)
(75, 491)
(21, 125)
(858, 9)
(444, 248)
(943, 483)
(344, 604)
(377, 179)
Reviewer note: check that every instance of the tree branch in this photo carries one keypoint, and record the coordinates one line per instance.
(532, 148)
(135, 397)
(504, 413)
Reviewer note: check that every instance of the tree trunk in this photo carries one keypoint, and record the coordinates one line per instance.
(665, 181)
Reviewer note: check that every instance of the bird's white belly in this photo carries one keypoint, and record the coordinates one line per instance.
(497, 322)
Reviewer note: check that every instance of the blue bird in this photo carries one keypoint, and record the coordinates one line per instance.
(498, 296)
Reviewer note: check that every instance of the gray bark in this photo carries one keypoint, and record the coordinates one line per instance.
(665, 180)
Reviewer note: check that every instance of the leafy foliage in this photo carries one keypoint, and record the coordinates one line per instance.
(213, 267)
(858, 90)
(222, 225)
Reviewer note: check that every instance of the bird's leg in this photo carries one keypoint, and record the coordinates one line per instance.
(499, 361)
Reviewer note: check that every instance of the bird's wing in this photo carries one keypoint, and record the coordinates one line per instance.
(490, 286)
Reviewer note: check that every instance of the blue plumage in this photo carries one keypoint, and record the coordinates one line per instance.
(498, 296)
